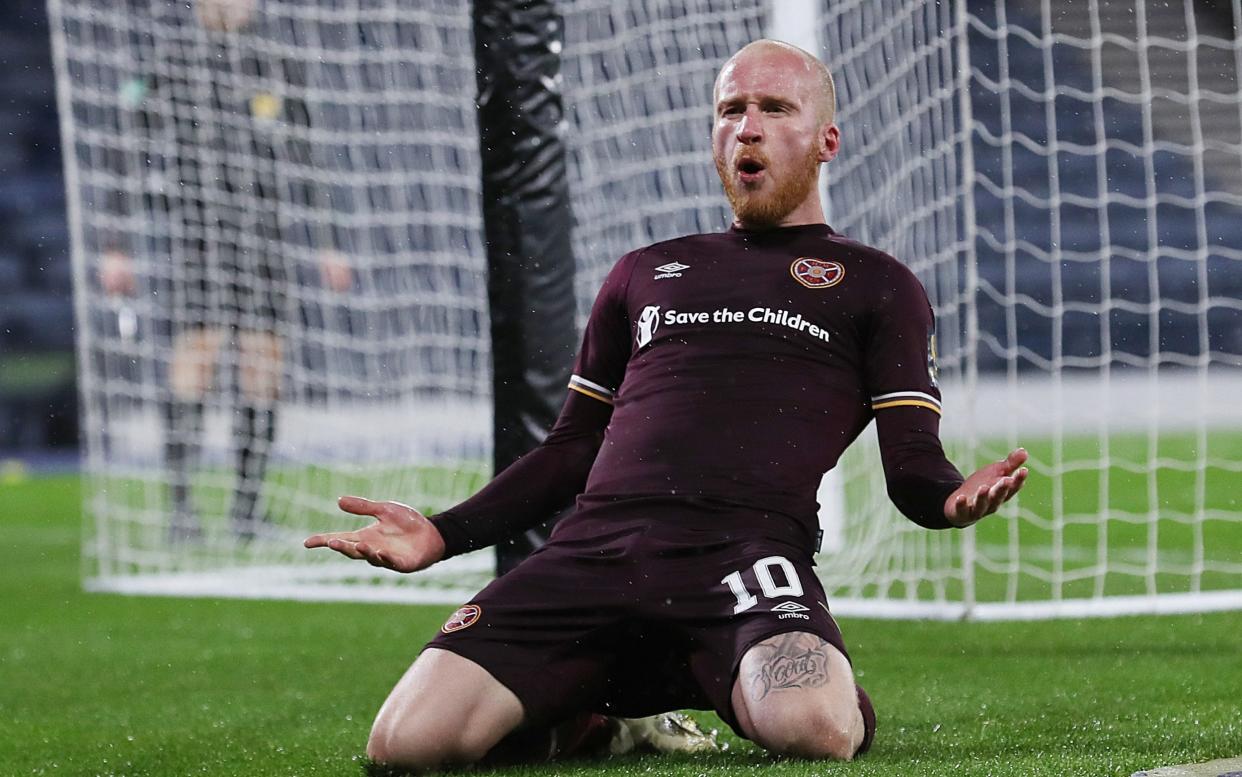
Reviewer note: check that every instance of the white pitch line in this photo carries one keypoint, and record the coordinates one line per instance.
(1225, 767)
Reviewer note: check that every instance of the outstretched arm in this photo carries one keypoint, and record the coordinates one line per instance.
(918, 474)
(539, 484)
(925, 486)
(900, 372)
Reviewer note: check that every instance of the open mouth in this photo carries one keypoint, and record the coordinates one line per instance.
(750, 169)
(750, 166)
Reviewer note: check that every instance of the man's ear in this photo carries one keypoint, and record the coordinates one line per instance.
(830, 142)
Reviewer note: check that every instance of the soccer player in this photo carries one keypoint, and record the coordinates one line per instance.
(217, 115)
(719, 377)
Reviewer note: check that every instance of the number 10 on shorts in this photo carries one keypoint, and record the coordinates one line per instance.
(763, 569)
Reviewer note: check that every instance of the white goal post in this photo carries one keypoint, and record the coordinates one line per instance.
(1066, 180)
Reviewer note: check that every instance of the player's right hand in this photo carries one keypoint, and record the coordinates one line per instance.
(401, 538)
(116, 273)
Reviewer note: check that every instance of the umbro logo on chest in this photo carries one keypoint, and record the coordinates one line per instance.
(670, 270)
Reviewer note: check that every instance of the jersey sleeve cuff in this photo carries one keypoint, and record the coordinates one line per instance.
(906, 399)
(456, 538)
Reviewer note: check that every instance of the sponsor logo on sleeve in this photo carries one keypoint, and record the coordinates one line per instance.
(817, 273)
(465, 617)
(648, 322)
(670, 270)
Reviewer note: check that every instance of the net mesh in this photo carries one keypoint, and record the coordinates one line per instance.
(1107, 151)
(1063, 181)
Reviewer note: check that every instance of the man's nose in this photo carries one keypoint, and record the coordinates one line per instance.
(750, 128)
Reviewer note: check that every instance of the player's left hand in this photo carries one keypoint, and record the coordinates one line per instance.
(985, 491)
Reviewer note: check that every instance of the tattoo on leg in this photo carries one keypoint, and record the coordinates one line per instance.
(794, 660)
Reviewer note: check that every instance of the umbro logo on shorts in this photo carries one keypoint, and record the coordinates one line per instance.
(791, 610)
(465, 617)
(670, 270)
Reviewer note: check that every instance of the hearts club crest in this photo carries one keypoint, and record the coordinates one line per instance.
(465, 617)
(816, 273)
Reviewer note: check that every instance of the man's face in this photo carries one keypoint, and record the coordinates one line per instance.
(769, 139)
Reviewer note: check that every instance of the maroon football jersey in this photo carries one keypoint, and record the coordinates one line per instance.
(741, 365)
(719, 377)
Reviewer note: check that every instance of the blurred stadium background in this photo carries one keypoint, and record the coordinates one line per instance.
(38, 394)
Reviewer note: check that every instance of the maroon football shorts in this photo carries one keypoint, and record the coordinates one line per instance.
(637, 619)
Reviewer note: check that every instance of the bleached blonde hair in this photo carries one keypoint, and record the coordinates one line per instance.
(826, 93)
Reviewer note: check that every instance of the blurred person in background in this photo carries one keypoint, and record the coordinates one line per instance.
(223, 170)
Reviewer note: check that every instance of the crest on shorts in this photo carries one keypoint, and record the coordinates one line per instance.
(466, 616)
(816, 273)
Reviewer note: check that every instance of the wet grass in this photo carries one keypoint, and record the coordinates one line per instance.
(101, 684)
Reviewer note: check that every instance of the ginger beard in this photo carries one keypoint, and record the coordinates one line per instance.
(765, 203)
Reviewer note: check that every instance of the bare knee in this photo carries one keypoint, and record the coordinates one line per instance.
(817, 735)
(423, 744)
(445, 711)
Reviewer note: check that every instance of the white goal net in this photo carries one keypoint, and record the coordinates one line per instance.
(1065, 181)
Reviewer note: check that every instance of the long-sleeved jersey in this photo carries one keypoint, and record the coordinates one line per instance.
(726, 373)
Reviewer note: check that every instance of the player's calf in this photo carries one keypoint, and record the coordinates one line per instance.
(795, 695)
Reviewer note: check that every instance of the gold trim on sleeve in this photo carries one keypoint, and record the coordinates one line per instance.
(589, 393)
(906, 402)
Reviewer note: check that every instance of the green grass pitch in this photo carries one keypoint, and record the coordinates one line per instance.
(96, 684)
